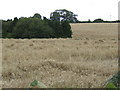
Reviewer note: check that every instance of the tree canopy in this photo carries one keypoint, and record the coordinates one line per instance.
(98, 20)
(35, 27)
(63, 15)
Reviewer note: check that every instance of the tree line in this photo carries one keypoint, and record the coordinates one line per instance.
(58, 26)
(99, 20)
(36, 27)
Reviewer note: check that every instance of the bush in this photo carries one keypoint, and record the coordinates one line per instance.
(34, 27)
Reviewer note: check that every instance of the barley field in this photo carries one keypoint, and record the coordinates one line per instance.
(85, 61)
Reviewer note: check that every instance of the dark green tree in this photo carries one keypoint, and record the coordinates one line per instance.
(35, 27)
(99, 20)
(6, 28)
(55, 16)
(63, 15)
(37, 15)
(32, 28)
(89, 21)
(66, 29)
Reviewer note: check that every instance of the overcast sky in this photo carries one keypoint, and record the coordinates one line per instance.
(86, 9)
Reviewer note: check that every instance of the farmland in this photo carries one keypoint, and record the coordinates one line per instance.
(85, 61)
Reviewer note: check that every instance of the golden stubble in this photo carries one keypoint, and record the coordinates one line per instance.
(87, 60)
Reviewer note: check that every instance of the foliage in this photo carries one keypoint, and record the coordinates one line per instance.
(32, 28)
(110, 85)
(37, 15)
(35, 27)
(7, 28)
(66, 29)
(63, 15)
(98, 20)
(114, 81)
(36, 83)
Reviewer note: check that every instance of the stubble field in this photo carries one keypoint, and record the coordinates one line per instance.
(85, 61)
